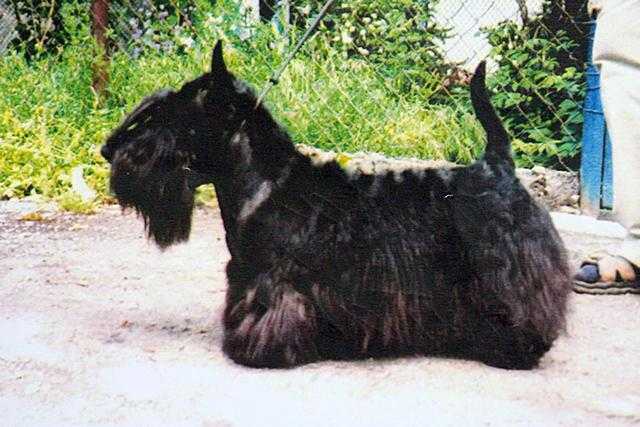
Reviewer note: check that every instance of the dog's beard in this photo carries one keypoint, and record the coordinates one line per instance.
(163, 198)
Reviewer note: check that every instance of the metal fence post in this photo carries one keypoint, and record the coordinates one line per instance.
(595, 166)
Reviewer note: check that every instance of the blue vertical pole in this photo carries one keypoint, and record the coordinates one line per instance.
(596, 167)
(607, 174)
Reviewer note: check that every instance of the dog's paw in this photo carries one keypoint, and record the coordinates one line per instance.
(512, 361)
(282, 336)
(513, 349)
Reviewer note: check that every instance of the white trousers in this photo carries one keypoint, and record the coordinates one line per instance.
(617, 54)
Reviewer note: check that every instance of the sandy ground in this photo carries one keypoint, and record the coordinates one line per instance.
(98, 327)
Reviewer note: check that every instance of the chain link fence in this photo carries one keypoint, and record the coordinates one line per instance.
(392, 75)
(379, 75)
(7, 25)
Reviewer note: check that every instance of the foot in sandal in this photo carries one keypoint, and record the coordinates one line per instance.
(615, 271)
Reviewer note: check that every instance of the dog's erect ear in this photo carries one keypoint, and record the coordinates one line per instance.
(218, 67)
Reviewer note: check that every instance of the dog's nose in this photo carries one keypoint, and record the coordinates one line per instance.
(106, 152)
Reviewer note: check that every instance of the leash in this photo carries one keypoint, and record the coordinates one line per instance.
(275, 77)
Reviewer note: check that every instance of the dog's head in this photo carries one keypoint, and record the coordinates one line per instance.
(173, 142)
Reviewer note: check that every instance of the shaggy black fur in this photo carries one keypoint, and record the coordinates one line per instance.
(331, 265)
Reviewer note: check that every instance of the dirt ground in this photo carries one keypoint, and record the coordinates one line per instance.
(99, 328)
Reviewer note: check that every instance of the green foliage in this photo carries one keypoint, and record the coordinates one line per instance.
(38, 25)
(400, 38)
(339, 93)
(50, 121)
(333, 96)
(48, 125)
(72, 202)
(139, 26)
(539, 93)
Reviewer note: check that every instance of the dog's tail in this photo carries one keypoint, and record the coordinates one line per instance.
(498, 148)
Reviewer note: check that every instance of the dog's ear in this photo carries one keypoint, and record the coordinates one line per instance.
(218, 67)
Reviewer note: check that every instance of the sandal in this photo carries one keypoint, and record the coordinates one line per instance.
(607, 274)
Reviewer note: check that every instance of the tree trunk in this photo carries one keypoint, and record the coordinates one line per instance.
(99, 20)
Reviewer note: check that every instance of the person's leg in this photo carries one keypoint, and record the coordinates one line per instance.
(617, 54)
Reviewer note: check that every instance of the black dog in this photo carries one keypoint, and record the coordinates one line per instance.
(330, 265)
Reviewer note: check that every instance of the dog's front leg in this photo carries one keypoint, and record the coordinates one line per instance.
(269, 324)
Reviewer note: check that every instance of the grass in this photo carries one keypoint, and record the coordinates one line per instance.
(51, 122)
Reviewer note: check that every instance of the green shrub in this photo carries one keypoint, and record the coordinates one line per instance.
(399, 37)
(139, 26)
(38, 26)
(332, 96)
(539, 89)
(51, 122)
(48, 125)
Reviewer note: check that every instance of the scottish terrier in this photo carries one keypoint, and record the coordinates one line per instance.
(327, 264)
